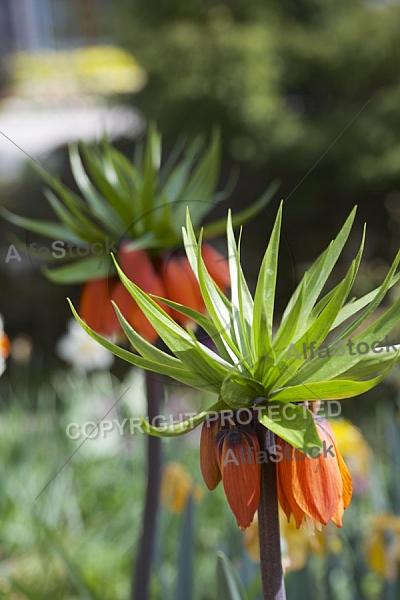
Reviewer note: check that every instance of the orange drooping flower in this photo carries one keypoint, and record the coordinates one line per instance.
(230, 454)
(170, 278)
(143, 203)
(4, 347)
(319, 488)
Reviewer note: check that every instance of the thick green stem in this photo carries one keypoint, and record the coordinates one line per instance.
(268, 524)
(142, 570)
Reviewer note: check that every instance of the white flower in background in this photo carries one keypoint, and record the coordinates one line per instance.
(110, 404)
(4, 347)
(81, 351)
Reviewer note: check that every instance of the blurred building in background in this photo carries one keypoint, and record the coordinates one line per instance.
(30, 25)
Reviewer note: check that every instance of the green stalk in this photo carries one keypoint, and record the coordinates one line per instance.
(268, 524)
(142, 569)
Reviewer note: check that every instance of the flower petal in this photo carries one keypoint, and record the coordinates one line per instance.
(137, 266)
(208, 460)
(4, 345)
(241, 475)
(346, 477)
(317, 482)
(284, 483)
(337, 517)
(94, 299)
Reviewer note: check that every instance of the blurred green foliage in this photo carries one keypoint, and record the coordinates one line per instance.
(75, 537)
(75, 540)
(283, 79)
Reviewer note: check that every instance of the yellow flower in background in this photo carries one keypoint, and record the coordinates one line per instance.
(297, 544)
(177, 486)
(251, 542)
(94, 70)
(383, 546)
(355, 452)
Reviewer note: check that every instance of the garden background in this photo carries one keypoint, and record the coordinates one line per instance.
(306, 93)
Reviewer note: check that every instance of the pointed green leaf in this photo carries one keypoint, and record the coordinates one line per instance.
(293, 357)
(145, 349)
(337, 389)
(374, 363)
(382, 291)
(204, 322)
(352, 308)
(229, 586)
(218, 309)
(324, 301)
(181, 374)
(80, 271)
(241, 299)
(83, 230)
(176, 183)
(185, 426)
(294, 424)
(319, 272)
(50, 229)
(95, 200)
(288, 329)
(264, 298)
(197, 357)
(318, 277)
(125, 209)
(343, 357)
(239, 391)
(198, 193)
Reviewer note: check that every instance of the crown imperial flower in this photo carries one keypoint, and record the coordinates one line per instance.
(138, 209)
(251, 368)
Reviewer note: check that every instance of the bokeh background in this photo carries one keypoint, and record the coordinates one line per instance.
(306, 92)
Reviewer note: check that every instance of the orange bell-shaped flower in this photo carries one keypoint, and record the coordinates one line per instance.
(176, 281)
(236, 451)
(95, 307)
(4, 345)
(318, 486)
(208, 460)
(230, 453)
(95, 304)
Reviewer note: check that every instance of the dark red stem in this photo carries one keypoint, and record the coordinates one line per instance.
(268, 524)
(146, 550)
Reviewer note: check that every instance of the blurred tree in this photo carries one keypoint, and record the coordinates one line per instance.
(283, 79)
